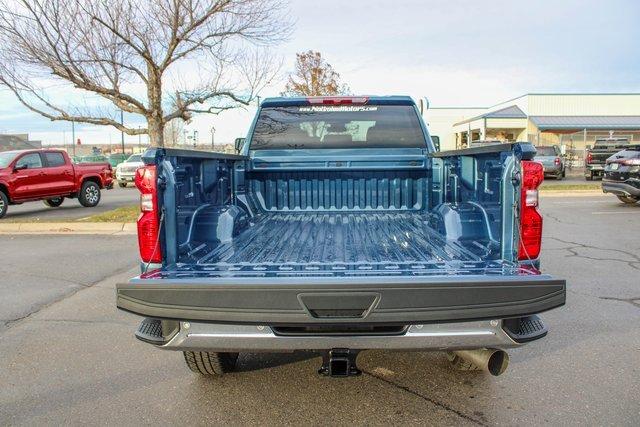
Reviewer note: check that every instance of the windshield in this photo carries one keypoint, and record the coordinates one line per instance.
(545, 151)
(6, 158)
(337, 126)
(135, 158)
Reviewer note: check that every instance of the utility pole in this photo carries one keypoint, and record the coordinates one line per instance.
(139, 139)
(73, 137)
(122, 132)
(195, 138)
(213, 132)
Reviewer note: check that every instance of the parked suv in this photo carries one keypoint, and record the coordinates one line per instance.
(551, 160)
(622, 175)
(50, 176)
(126, 171)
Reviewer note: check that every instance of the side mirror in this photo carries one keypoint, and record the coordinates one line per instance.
(239, 142)
(21, 167)
(436, 142)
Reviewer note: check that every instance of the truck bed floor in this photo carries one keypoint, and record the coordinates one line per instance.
(281, 239)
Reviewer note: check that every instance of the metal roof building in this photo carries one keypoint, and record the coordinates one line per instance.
(569, 120)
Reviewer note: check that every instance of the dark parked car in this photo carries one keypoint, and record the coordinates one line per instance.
(622, 175)
(551, 160)
(596, 156)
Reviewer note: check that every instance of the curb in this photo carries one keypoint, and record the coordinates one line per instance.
(114, 228)
(571, 193)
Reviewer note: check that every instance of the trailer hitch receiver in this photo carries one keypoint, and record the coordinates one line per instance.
(339, 362)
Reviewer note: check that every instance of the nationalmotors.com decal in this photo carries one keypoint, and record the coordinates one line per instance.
(337, 108)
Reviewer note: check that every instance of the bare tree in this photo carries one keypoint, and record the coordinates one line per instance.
(313, 76)
(144, 56)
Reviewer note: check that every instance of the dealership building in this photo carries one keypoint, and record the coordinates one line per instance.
(571, 121)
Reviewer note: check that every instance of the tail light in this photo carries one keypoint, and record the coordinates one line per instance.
(557, 161)
(530, 218)
(148, 221)
(589, 157)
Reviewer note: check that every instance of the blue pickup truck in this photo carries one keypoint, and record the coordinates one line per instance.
(339, 228)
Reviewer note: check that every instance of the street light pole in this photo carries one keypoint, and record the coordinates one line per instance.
(73, 137)
(213, 132)
(121, 131)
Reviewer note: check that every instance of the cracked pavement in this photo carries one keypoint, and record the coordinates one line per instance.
(73, 358)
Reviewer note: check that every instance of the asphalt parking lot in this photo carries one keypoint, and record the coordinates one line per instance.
(71, 209)
(69, 357)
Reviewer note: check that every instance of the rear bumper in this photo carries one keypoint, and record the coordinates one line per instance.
(354, 300)
(197, 336)
(620, 188)
(593, 170)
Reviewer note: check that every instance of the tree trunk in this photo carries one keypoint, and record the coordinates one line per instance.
(156, 131)
(155, 120)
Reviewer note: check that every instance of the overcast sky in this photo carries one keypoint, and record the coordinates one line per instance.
(456, 53)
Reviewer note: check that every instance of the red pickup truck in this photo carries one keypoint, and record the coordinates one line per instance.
(49, 175)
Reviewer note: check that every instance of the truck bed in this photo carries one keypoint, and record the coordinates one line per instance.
(336, 243)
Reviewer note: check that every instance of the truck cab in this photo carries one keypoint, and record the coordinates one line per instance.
(339, 228)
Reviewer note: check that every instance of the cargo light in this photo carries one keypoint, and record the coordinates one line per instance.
(148, 222)
(338, 100)
(530, 218)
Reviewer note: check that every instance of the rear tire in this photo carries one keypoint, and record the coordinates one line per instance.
(630, 200)
(209, 363)
(589, 177)
(54, 203)
(4, 204)
(89, 196)
(122, 184)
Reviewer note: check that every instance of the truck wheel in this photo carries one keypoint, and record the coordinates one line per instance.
(211, 364)
(122, 184)
(4, 204)
(89, 194)
(630, 200)
(54, 203)
(589, 177)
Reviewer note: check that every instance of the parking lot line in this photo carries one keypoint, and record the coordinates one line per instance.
(615, 213)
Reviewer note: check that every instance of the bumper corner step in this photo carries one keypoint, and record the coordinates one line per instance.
(525, 329)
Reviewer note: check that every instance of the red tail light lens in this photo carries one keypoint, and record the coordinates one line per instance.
(530, 218)
(557, 161)
(148, 221)
(589, 157)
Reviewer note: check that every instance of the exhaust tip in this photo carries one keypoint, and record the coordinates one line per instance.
(498, 362)
(492, 360)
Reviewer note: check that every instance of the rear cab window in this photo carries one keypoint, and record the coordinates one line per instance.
(546, 151)
(337, 126)
(54, 159)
